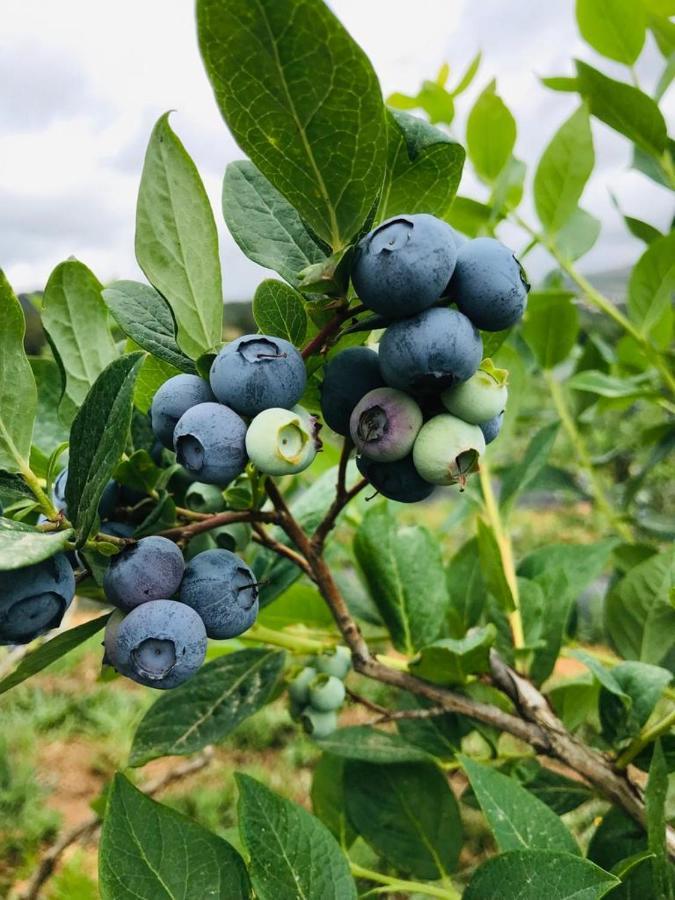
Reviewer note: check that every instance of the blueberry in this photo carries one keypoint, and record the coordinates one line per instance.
(403, 266)
(384, 424)
(492, 428)
(318, 724)
(432, 350)
(398, 480)
(106, 505)
(489, 284)
(336, 662)
(172, 400)
(210, 443)
(256, 372)
(348, 377)
(282, 441)
(34, 598)
(148, 570)
(326, 693)
(117, 529)
(159, 644)
(204, 498)
(447, 449)
(480, 398)
(223, 590)
(298, 689)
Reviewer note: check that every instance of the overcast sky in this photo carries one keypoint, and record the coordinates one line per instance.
(82, 83)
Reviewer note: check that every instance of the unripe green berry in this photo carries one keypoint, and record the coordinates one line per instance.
(318, 724)
(326, 692)
(282, 441)
(298, 689)
(204, 498)
(336, 662)
(447, 449)
(479, 399)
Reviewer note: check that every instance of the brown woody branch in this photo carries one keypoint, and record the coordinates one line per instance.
(329, 330)
(185, 532)
(265, 539)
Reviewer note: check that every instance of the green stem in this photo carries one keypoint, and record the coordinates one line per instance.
(647, 736)
(584, 458)
(505, 552)
(393, 662)
(292, 642)
(398, 884)
(33, 483)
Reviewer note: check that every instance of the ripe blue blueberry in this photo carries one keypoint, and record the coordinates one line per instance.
(256, 372)
(34, 598)
(326, 692)
(117, 529)
(210, 443)
(403, 266)
(223, 590)
(282, 441)
(298, 688)
(348, 377)
(489, 285)
(398, 480)
(447, 450)
(106, 505)
(430, 351)
(159, 644)
(480, 398)
(384, 424)
(318, 724)
(492, 428)
(336, 662)
(172, 400)
(148, 570)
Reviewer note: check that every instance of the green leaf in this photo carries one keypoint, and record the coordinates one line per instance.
(404, 572)
(278, 310)
(643, 231)
(424, 168)
(624, 108)
(522, 874)
(18, 394)
(650, 166)
(220, 696)
(13, 489)
(408, 815)
(655, 803)
(490, 134)
(615, 28)
(466, 587)
(145, 317)
(450, 661)
(560, 793)
(50, 651)
(49, 431)
(507, 191)
(161, 516)
(138, 472)
(439, 736)
(285, 74)
(292, 854)
(21, 545)
(643, 684)
(593, 381)
(469, 216)
(579, 234)
(151, 852)
(301, 604)
(367, 744)
(492, 568)
(151, 376)
(563, 170)
(328, 798)
(652, 283)
(76, 321)
(264, 224)
(518, 820)
(551, 326)
(177, 241)
(468, 76)
(519, 477)
(97, 439)
(562, 83)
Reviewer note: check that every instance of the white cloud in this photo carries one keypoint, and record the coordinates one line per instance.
(81, 85)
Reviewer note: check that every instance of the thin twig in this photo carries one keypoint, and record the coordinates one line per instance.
(329, 329)
(88, 827)
(263, 537)
(184, 532)
(369, 704)
(395, 715)
(343, 496)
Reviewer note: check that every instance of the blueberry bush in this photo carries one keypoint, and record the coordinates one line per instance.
(177, 480)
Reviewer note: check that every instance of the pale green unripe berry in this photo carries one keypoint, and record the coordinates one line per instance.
(298, 689)
(447, 449)
(318, 724)
(479, 399)
(326, 692)
(336, 662)
(282, 441)
(204, 498)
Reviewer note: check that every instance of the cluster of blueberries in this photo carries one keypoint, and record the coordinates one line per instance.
(317, 691)
(419, 411)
